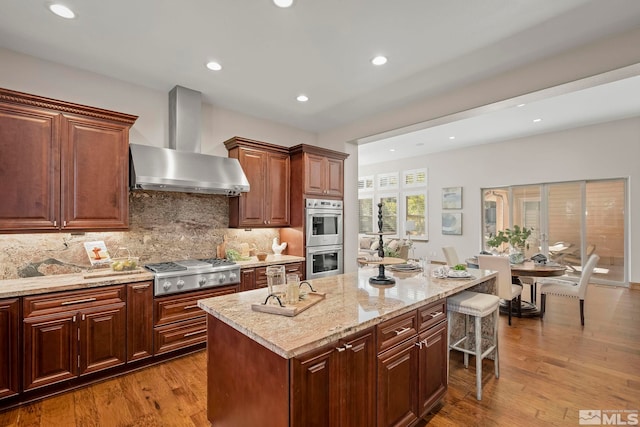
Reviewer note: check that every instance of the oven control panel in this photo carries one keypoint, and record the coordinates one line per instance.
(323, 204)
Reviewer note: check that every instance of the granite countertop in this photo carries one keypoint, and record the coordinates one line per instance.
(351, 305)
(271, 260)
(66, 282)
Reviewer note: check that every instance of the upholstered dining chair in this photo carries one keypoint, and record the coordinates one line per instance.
(567, 286)
(507, 290)
(451, 255)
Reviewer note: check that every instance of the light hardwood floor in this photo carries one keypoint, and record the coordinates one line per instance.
(549, 370)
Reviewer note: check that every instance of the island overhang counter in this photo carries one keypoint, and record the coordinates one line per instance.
(325, 365)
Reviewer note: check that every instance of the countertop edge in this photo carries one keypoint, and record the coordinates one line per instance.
(340, 332)
(65, 282)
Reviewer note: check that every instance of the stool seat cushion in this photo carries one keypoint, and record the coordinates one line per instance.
(473, 303)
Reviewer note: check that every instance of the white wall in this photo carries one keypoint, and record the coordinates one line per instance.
(28, 74)
(609, 150)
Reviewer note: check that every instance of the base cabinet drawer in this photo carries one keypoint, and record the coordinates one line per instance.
(180, 334)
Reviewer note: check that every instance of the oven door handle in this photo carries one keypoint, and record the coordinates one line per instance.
(323, 249)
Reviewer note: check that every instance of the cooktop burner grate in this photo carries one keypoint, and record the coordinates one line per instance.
(162, 267)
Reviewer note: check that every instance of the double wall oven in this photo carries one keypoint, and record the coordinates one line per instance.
(323, 236)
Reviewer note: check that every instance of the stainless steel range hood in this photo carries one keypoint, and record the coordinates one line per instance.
(182, 168)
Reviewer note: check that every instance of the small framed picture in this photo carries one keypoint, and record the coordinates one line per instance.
(452, 198)
(97, 252)
(452, 223)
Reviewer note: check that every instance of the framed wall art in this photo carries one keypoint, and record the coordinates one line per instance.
(452, 223)
(452, 198)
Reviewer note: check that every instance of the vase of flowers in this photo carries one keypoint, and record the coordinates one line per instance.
(516, 238)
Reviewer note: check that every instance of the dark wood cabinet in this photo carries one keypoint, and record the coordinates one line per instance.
(10, 363)
(335, 386)
(247, 279)
(70, 334)
(266, 166)
(179, 322)
(139, 321)
(255, 278)
(432, 365)
(412, 364)
(317, 172)
(64, 166)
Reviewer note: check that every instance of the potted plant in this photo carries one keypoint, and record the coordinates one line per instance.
(517, 240)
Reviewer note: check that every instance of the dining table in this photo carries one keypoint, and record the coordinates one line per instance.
(526, 269)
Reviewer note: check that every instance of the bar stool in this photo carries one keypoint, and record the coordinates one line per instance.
(479, 306)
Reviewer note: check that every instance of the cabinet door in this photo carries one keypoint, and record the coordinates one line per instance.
(314, 400)
(9, 333)
(335, 177)
(95, 174)
(357, 376)
(247, 279)
(432, 358)
(397, 385)
(50, 349)
(315, 176)
(139, 321)
(102, 338)
(277, 190)
(29, 168)
(252, 204)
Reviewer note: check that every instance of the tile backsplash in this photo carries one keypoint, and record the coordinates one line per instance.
(163, 226)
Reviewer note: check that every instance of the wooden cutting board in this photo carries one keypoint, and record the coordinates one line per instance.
(289, 310)
(107, 272)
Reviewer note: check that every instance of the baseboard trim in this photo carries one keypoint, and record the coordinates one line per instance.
(634, 286)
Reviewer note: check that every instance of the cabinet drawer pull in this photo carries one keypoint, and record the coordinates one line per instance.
(436, 314)
(188, 334)
(78, 301)
(344, 347)
(402, 331)
(419, 344)
(189, 307)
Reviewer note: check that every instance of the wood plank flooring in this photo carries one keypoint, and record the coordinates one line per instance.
(549, 370)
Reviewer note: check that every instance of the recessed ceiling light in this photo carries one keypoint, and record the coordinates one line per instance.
(283, 3)
(214, 66)
(379, 60)
(392, 149)
(520, 105)
(452, 137)
(302, 98)
(537, 120)
(62, 11)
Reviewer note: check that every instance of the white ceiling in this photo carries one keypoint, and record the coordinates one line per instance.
(321, 48)
(510, 120)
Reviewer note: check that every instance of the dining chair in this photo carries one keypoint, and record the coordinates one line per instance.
(507, 290)
(451, 255)
(567, 286)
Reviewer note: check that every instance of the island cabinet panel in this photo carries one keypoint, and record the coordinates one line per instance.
(10, 365)
(73, 333)
(267, 169)
(247, 384)
(335, 386)
(139, 321)
(432, 362)
(64, 166)
(397, 384)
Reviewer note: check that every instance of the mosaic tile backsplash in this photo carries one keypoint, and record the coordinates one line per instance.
(163, 226)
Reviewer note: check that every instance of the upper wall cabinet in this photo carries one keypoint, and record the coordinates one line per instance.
(266, 166)
(63, 166)
(319, 171)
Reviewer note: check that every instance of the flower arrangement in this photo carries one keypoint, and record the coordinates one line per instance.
(516, 238)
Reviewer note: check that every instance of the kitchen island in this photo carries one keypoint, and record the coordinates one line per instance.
(365, 355)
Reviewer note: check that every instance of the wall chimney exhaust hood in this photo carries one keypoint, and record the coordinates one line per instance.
(182, 168)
